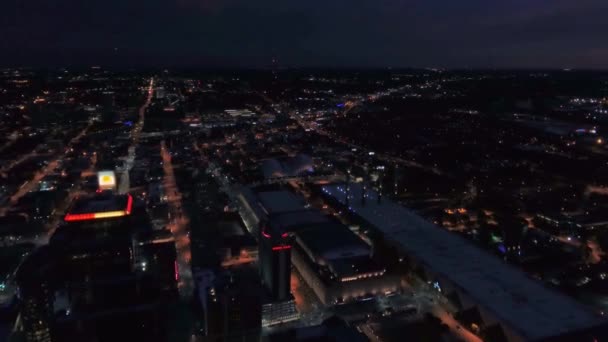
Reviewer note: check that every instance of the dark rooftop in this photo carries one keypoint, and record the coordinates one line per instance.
(279, 202)
(332, 241)
(100, 203)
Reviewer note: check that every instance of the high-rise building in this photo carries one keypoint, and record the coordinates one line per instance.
(275, 270)
(233, 311)
(36, 281)
(105, 292)
(154, 255)
(275, 262)
(94, 246)
(274, 215)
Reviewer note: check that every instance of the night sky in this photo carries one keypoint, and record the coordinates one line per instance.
(333, 33)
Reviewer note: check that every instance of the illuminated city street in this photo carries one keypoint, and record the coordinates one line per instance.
(178, 224)
(50, 167)
(124, 185)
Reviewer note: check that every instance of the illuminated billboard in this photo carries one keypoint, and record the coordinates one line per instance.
(106, 180)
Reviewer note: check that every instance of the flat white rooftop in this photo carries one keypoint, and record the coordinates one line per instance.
(520, 302)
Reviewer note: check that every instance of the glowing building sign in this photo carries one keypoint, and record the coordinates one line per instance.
(281, 248)
(102, 214)
(106, 180)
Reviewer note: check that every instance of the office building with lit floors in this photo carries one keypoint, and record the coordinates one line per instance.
(99, 290)
(232, 306)
(339, 266)
(271, 215)
(155, 256)
(333, 260)
(36, 280)
(259, 204)
(115, 278)
(275, 270)
(275, 262)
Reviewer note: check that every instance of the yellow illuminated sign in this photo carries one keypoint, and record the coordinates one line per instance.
(106, 180)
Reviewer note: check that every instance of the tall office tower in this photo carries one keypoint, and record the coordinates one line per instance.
(234, 307)
(155, 257)
(107, 295)
(95, 246)
(274, 215)
(36, 281)
(275, 262)
(275, 270)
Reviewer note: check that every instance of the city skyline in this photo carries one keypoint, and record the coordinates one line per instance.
(312, 171)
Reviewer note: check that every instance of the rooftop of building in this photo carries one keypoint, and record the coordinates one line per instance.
(99, 203)
(280, 201)
(356, 267)
(520, 302)
(296, 220)
(332, 240)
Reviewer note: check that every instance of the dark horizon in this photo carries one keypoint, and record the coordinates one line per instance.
(470, 34)
(312, 68)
